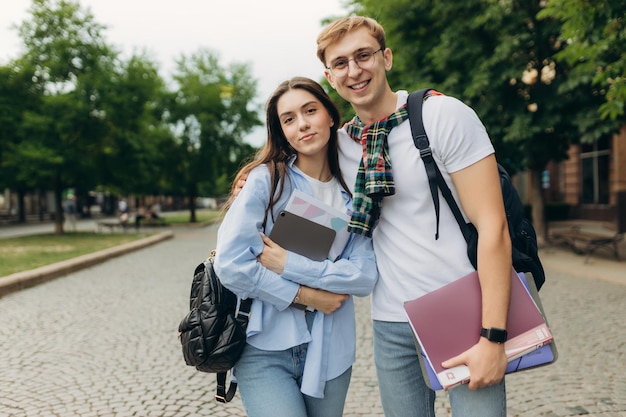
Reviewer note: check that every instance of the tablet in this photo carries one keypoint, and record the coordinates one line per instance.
(302, 236)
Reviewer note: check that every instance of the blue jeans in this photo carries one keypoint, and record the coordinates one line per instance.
(404, 392)
(269, 385)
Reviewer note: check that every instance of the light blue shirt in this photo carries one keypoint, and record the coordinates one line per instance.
(274, 325)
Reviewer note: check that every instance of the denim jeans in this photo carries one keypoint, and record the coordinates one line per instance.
(404, 392)
(269, 385)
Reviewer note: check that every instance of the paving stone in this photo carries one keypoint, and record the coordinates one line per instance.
(103, 342)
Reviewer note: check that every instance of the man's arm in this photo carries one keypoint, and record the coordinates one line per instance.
(480, 195)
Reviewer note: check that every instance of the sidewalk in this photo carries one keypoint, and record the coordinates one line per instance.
(601, 265)
(102, 342)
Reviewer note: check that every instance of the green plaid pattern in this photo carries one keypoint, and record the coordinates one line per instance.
(374, 179)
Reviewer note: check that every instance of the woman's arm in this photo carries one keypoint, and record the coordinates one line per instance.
(354, 274)
(239, 244)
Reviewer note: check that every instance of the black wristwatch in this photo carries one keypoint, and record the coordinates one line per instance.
(493, 334)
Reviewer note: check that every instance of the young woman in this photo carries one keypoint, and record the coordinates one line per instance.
(297, 361)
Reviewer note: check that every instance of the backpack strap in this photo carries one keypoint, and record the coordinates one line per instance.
(221, 395)
(435, 178)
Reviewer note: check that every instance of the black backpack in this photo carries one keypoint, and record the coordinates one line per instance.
(213, 333)
(523, 236)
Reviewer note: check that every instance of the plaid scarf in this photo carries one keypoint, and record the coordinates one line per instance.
(374, 179)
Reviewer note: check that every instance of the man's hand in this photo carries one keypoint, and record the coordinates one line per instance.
(239, 184)
(273, 257)
(486, 361)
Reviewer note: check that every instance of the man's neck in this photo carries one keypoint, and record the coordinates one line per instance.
(379, 110)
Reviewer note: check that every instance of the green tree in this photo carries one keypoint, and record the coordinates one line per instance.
(19, 99)
(595, 33)
(65, 46)
(499, 58)
(209, 115)
(127, 161)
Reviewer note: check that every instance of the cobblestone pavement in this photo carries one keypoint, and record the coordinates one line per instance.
(102, 342)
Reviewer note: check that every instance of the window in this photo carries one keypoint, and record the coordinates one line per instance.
(595, 172)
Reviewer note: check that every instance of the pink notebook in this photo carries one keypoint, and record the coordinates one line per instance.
(447, 322)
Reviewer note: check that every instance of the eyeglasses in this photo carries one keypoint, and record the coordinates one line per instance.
(363, 59)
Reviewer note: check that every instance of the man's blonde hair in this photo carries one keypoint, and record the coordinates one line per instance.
(340, 27)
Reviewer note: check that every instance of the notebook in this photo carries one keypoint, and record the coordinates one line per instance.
(544, 355)
(302, 236)
(316, 210)
(447, 322)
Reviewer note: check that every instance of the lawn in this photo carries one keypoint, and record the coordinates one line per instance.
(202, 216)
(28, 252)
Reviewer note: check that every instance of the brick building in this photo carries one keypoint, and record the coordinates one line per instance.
(592, 181)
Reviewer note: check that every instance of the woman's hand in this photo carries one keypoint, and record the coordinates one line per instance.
(273, 257)
(324, 301)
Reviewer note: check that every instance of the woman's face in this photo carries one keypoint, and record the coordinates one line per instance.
(305, 122)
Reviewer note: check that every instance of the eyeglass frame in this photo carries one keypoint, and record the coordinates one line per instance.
(373, 53)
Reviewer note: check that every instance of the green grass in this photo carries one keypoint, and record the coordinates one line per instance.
(28, 252)
(202, 216)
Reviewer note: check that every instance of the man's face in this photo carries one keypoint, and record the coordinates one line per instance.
(362, 84)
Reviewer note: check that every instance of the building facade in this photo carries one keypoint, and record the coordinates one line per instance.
(592, 181)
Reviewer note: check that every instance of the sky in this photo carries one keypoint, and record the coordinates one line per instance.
(276, 37)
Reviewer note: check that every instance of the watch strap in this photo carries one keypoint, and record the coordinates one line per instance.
(494, 334)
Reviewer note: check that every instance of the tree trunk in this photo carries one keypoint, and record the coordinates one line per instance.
(536, 199)
(21, 207)
(192, 194)
(58, 207)
(192, 209)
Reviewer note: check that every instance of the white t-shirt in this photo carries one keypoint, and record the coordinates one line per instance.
(329, 192)
(410, 261)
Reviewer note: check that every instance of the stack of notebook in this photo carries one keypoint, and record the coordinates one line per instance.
(446, 322)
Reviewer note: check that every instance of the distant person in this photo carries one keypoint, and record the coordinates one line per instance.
(297, 362)
(70, 211)
(141, 215)
(154, 212)
(122, 206)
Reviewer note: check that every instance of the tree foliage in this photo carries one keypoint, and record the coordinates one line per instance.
(76, 115)
(595, 33)
(127, 159)
(208, 115)
(65, 48)
(503, 61)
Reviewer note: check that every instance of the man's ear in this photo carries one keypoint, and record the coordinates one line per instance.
(329, 78)
(388, 55)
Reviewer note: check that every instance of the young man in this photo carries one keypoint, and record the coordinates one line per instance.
(394, 205)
